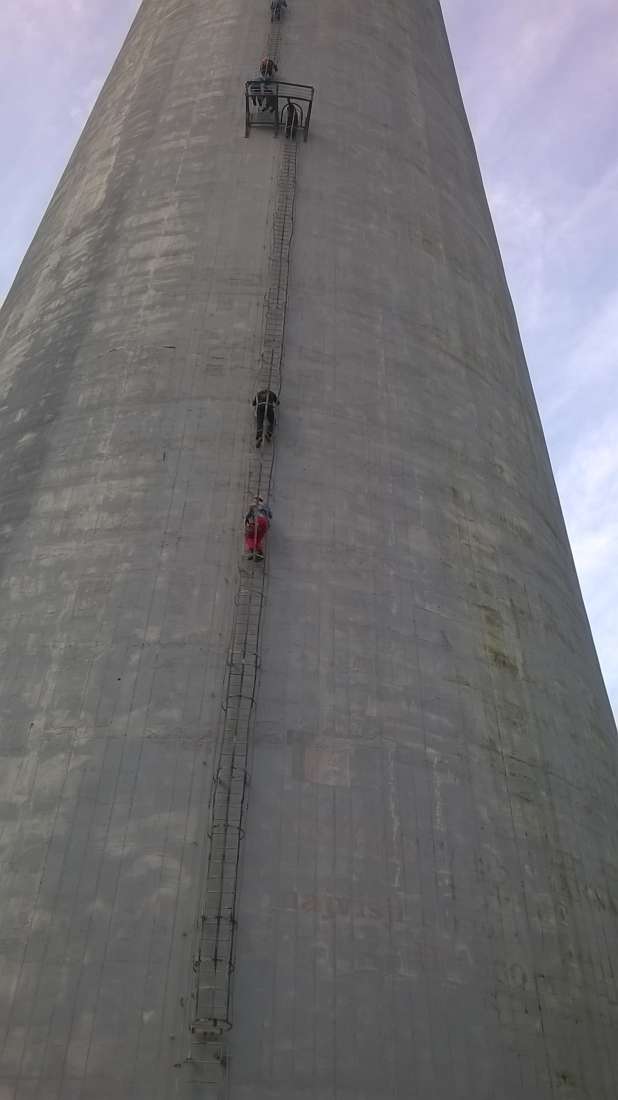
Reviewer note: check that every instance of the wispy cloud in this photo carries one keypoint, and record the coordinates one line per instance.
(540, 86)
(589, 480)
(56, 54)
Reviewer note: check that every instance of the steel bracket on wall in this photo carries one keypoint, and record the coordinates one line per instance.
(267, 100)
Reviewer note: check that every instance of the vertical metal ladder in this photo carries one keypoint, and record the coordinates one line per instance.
(215, 960)
(213, 965)
(275, 302)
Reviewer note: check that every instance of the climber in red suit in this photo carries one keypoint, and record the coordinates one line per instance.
(257, 522)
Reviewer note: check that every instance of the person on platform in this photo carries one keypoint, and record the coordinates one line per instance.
(257, 522)
(264, 404)
(268, 68)
(258, 89)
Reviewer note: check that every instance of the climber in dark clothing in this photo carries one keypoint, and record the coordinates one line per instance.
(276, 7)
(264, 404)
(258, 89)
(268, 68)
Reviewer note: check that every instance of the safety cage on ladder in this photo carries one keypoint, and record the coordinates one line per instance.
(214, 963)
(278, 105)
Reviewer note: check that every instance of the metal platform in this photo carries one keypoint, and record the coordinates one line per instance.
(266, 100)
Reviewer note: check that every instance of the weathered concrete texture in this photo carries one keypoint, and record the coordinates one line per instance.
(127, 350)
(430, 880)
(430, 894)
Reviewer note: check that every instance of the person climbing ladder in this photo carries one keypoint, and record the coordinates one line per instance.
(264, 404)
(257, 522)
(276, 8)
(268, 68)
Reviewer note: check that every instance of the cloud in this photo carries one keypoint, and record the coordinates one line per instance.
(588, 482)
(591, 366)
(540, 87)
(539, 82)
(85, 99)
(47, 89)
(521, 225)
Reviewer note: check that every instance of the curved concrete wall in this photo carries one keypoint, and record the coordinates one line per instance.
(430, 880)
(127, 356)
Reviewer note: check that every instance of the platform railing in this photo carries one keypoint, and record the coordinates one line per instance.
(266, 101)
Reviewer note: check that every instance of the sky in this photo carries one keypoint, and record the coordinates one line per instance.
(540, 84)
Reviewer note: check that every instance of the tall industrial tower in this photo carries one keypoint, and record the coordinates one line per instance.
(341, 825)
